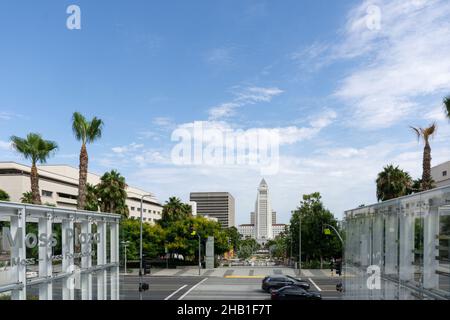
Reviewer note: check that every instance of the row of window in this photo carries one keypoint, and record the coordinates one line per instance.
(143, 219)
(144, 210)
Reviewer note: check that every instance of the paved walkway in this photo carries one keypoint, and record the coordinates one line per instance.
(243, 272)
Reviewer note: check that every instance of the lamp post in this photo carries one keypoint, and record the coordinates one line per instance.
(300, 245)
(199, 255)
(125, 246)
(141, 287)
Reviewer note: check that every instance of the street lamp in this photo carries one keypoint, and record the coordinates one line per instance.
(141, 283)
(125, 246)
(300, 244)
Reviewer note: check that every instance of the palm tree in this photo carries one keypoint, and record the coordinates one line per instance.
(392, 183)
(36, 149)
(92, 202)
(27, 197)
(86, 132)
(111, 192)
(447, 106)
(425, 134)
(174, 210)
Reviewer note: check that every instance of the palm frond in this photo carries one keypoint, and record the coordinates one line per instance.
(417, 131)
(94, 131)
(447, 106)
(79, 126)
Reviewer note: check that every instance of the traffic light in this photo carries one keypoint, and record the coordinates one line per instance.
(338, 268)
(327, 232)
(192, 231)
(146, 267)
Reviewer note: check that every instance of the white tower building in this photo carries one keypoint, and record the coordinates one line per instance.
(263, 214)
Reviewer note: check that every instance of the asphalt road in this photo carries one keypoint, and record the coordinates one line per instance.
(214, 288)
(197, 288)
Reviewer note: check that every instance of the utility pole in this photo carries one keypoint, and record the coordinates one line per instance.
(141, 282)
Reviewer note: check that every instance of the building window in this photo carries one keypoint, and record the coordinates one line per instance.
(132, 208)
(444, 173)
(145, 210)
(46, 193)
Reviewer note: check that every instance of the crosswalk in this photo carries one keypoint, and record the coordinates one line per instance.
(245, 272)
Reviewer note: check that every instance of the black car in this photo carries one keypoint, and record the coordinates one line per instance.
(294, 293)
(280, 281)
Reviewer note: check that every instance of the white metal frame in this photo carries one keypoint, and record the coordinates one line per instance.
(19, 214)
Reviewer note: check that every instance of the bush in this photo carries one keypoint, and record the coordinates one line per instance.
(3, 195)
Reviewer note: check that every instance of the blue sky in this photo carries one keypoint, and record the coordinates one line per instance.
(340, 80)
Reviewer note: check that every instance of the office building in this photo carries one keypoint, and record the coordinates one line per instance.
(59, 186)
(219, 205)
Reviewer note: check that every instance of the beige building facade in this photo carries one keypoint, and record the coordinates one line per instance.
(59, 186)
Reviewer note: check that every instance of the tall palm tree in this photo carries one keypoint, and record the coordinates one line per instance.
(87, 132)
(447, 106)
(425, 134)
(36, 149)
(112, 194)
(392, 183)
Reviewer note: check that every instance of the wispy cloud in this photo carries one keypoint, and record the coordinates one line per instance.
(405, 59)
(242, 97)
(5, 145)
(126, 149)
(222, 56)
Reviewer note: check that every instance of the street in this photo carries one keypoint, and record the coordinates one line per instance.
(235, 283)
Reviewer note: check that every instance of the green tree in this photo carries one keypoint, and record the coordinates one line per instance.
(234, 237)
(153, 237)
(36, 149)
(4, 196)
(87, 132)
(392, 183)
(111, 192)
(425, 134)
(27, 197)
(315, 244)
(92, 202)
(247, 247)
(278, 246)
(174, 210)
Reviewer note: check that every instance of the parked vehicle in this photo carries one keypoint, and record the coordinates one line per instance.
(294, 293)
(280, 281)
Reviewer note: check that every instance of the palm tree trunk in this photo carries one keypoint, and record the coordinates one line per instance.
(34, 177)
(84, 159)
(426, 174)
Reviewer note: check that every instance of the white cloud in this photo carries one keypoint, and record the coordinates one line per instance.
(242, 97)
(5, 145)
(407, 58)
(126, 149)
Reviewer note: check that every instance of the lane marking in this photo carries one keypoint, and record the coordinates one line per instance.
(178, 290)
(315, 285)
(187, 292)
(244, 277)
